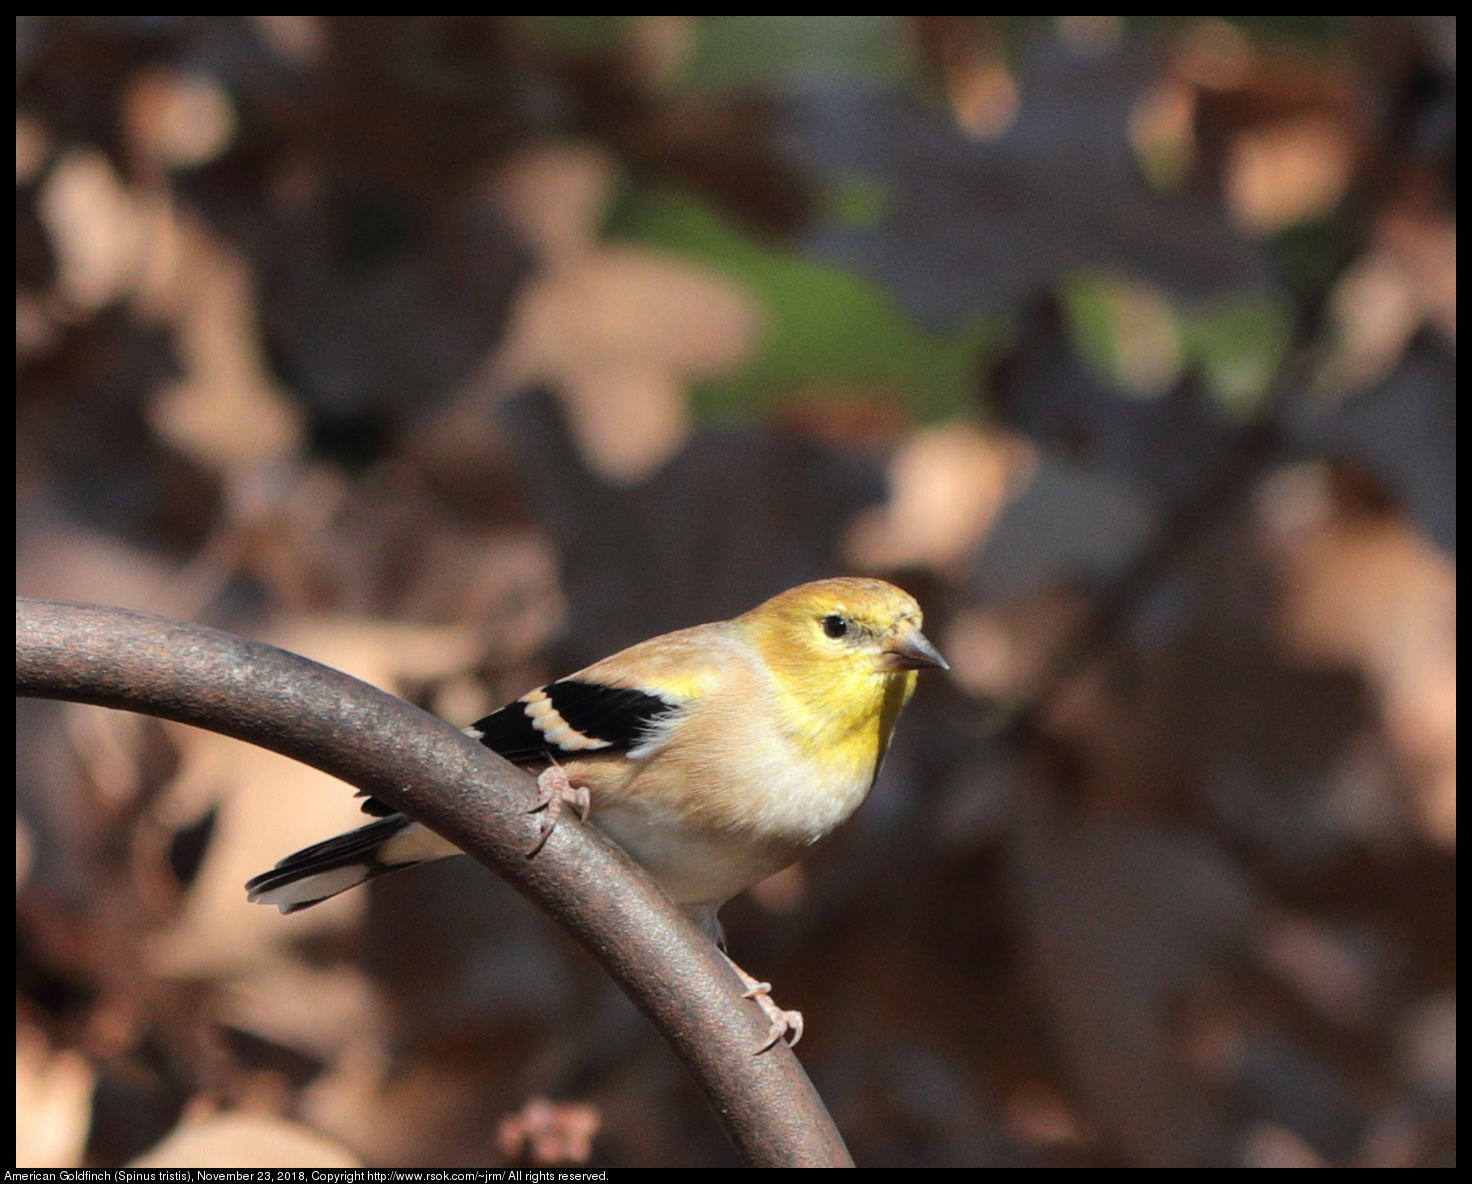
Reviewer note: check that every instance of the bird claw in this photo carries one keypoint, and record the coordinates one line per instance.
(553, 790)
(781, 1021)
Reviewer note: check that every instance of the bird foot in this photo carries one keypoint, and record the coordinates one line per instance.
(553, 791)
(781, 1021)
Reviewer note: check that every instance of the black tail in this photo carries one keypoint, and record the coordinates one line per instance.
(324, 869)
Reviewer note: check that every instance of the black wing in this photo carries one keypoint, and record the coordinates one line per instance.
(601, 718)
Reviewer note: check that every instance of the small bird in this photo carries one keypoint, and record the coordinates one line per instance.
(715, 755)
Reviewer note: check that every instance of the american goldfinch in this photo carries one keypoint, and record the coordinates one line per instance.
(715, 756)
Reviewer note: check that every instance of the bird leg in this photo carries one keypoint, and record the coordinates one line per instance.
(554, 789)
(781, 1021)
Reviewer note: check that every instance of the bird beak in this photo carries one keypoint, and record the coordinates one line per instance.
(908, 649)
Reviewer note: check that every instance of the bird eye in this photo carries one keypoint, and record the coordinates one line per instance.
(835, 626)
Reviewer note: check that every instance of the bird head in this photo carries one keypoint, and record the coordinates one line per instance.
(843, 638)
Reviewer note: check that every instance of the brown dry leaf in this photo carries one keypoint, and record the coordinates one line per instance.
(107, 745)
(549, 1133)
(1373, 594)
(632, 306)
(983, 92)
(62, 560)
(617, 331)
(1408, 279)
(317, 1011)
(269, 806)
(114, 241)
(246, 1141)
(226, 412)
(619, 327)
(178, 119)
(360, 1103)
(1289, 172)
(53, 1102)
(627, 423)
(947, 485)
(555, 194)
(98, 228)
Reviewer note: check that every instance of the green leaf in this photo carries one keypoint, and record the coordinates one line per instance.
(827, 327)
(756, 51)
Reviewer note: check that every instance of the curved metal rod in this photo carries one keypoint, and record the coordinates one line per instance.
(266, 696)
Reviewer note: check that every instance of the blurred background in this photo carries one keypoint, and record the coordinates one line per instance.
(459, 352)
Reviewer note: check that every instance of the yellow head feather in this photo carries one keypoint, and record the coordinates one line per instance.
(843, 654)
